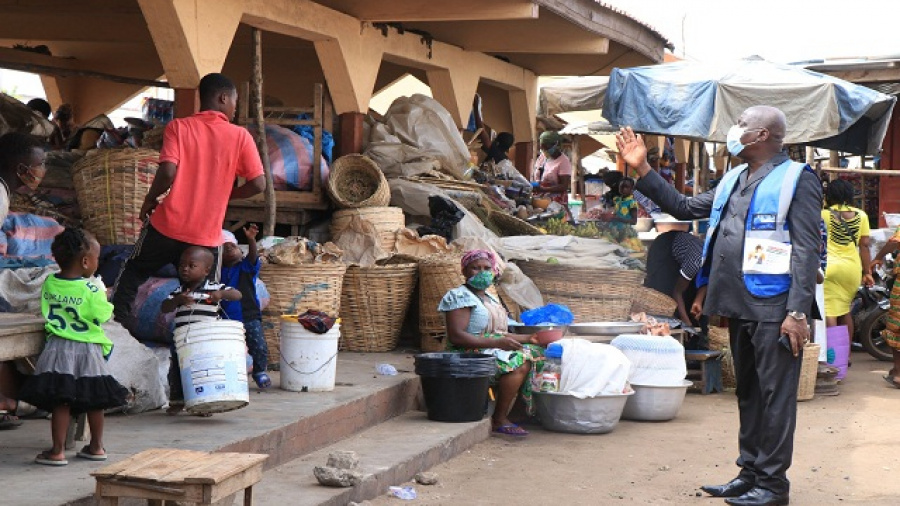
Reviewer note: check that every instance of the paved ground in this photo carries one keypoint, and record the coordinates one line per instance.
(847, 452)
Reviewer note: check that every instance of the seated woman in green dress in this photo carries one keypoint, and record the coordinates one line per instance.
(477, 322)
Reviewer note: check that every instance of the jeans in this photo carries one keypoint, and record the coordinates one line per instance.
(256, 343)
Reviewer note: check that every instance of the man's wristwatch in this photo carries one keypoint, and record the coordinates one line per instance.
(797, 315)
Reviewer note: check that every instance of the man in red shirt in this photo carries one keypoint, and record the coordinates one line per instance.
(200, 159)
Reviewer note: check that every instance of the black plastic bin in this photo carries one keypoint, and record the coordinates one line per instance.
(455, 385)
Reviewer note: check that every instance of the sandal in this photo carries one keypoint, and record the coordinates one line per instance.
(891, 381)
(85, 453)
(511, 429)
(9, 421)
(44, 459)
(262, 380)
(26, 411)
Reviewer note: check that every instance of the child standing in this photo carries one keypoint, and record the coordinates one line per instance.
(242, 272)
(71, 375)
(196, 300)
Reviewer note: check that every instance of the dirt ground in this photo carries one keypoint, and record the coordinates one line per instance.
(847, 451)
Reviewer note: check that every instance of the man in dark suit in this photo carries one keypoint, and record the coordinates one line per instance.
(771, 203)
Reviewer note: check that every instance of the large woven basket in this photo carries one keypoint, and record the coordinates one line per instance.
(386, 220)
(591, 294)
(374, 301)
(809, 368)
(510, 225)
(295, 289)
(111, 185)
(356, 181)
(437, 275)
(720, 341)
(652, 302)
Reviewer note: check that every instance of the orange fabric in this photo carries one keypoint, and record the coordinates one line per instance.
(209, 153)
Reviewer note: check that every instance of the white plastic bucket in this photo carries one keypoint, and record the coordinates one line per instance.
(212, 357)
(308, 360)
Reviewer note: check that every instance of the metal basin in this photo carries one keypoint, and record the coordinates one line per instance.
(655, 403)
(606, 328)
(534, 329)
(593, 415)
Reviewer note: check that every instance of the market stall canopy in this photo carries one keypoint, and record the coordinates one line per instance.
(568, 95)
(702, 101)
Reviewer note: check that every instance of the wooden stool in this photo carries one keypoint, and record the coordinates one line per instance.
(161, 475)
(709, 378)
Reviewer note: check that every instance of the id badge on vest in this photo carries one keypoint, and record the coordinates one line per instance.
(765, 256)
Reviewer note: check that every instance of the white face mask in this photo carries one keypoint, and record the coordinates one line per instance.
(733, 140)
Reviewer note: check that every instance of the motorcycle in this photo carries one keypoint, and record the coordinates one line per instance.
(869, 310)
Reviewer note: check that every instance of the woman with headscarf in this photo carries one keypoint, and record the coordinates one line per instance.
(554, 168)
(476, 321)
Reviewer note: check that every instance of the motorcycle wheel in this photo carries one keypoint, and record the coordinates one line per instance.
(870, 335)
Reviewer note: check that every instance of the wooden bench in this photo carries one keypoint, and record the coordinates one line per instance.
(23, 336)
(161, 475)
(709, 378)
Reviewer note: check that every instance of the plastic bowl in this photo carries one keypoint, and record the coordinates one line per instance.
(545, 337)
(644, 224)
(655, 403)
(543, 203)
(668, 226)
(593, 415)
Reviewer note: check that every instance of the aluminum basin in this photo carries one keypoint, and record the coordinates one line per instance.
(655, 403)
(593, 415)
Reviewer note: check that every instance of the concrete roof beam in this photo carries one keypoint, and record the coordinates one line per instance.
(382, 11)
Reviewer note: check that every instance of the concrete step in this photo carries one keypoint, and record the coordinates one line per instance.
(390, 453)
(283, 424)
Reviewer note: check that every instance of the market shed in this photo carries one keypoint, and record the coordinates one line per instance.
(99, 54)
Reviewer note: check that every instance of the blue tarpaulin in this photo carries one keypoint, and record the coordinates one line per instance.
(703, 100)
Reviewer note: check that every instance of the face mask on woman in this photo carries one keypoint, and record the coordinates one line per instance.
(482, 280)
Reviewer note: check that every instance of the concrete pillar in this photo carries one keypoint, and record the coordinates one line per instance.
(350, 64)
(525, 158)
(192, 38)
(351, 139)
(187, 102)
(454, 88)
(523, 107)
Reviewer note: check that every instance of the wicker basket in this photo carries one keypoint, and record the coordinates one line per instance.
(809, 368)
(111, 185)
(374, 301)
(510, 225)
(386, 220)
(356, 181)
(294, 289)
(652, 302)
(720, 341)
(437, 276)
(591, 294)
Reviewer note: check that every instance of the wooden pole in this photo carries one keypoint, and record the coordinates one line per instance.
(576, 160)
(257, 98)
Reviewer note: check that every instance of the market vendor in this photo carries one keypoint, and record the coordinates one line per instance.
(554, 169)
(497, 163)
(21, 167)
(673, 262)
(625, 208)
(477, 322)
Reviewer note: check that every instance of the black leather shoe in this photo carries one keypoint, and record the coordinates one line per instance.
(734, 488)
(758, 496)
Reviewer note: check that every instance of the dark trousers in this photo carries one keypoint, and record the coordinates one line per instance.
(256, 343)
(152, 251)
(767, 375)
(176, 388)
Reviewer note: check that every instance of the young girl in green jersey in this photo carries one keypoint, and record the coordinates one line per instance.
(71, 375)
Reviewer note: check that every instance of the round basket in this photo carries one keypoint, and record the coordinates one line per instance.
(294, 289)
(356, 181)
(510, 225)
(437, 276)
(374, 301)
(386, 220)
(591, 294)
(720, 341)
(111, 185)
(652, 302)
(809, 368)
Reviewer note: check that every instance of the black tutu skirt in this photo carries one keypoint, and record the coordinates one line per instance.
(73, 373)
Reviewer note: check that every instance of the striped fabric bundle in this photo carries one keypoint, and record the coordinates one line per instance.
(28, 236)
(290, 157)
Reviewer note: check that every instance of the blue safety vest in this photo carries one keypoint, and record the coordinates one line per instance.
(766, 220)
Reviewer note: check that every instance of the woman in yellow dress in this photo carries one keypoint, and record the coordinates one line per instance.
(849, 259)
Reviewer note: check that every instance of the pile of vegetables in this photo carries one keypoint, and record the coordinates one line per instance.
(624, 236)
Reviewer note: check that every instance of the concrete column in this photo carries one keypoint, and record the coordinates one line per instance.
(192, 38)
(525, 158)
(187, 102)
(523, 107)
(350, 64)
(351, 139)
(454, 88)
